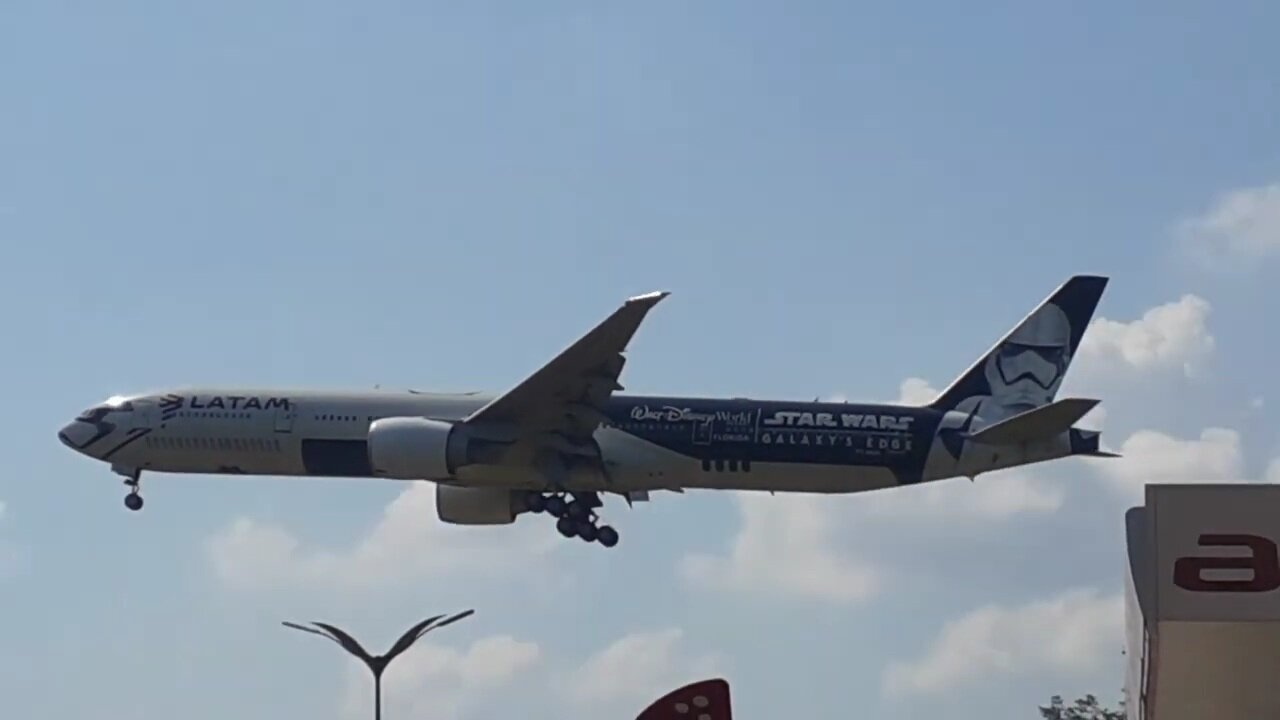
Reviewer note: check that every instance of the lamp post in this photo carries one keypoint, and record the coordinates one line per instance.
(377, 664)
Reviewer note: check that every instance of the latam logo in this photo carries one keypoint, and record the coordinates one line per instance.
(171, 404)
(1263, 561)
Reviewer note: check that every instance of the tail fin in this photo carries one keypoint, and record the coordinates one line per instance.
(1025, 369)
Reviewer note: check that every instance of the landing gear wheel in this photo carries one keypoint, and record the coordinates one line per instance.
(566, 527)
(555, 505)
(576, 513)
(133, 501)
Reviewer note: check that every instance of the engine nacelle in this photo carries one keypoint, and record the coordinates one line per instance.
(477, 505)
(415, 448)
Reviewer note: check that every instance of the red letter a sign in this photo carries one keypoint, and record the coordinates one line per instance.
(1262, 560)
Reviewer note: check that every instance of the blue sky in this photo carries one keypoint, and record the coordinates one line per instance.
(421, 195)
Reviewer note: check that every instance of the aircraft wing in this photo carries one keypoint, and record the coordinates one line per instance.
(565, 398)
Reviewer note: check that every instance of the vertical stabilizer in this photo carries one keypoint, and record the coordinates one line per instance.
(1024, 370)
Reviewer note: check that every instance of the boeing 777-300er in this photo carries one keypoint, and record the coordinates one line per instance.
(565, 435)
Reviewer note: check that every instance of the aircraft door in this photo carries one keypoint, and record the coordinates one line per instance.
(284, 418)
(702, 431)
(144, 413)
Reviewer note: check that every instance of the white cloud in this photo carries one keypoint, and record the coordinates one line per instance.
(1148, 456)
(817, 547)
(437, 682)
(1070, 633)
(636, 670)
(409, 542)
(1174, 335)
(992, 496)
(784, 545)
(912, 391)
(1272, 474)
(1239, 228)
(916, 391)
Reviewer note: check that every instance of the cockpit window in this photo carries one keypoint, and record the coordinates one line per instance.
(95, 414)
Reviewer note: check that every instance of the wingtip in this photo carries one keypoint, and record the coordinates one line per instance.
(1101, 281)
(648, 298)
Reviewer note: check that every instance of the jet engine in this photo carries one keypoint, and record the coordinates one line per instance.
(478, 506)
(416, 448)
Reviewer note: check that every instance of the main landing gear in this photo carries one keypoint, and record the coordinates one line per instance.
(576, 513)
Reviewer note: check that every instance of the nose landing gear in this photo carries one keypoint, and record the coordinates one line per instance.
(577, 516)
(132, 478)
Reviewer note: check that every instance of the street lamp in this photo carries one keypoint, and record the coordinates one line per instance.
(378, 663)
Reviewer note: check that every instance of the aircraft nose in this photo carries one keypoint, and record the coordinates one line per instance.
(76, 434)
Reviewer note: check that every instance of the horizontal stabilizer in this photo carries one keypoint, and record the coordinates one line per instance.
(1041, 423)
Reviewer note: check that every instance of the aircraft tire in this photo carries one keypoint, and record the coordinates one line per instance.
(607, 536)
(566, 527)
(133, 501)
(555, 506)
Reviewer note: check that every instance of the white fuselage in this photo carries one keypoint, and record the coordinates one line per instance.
(270, 432)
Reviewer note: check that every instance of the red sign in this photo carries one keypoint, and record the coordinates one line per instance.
(706, 700)
(1263, 559)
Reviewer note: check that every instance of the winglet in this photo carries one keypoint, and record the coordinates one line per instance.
(649, 299)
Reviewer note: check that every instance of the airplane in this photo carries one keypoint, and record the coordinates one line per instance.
(566, 435)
